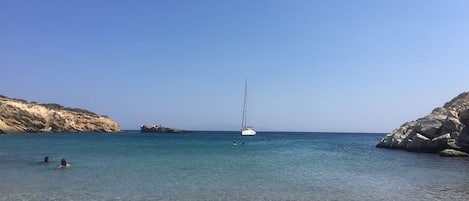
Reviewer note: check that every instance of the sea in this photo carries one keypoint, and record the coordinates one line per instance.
(211, 165)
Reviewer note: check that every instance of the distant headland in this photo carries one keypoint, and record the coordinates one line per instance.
(160, 129)
(21, 116)
(444, 131)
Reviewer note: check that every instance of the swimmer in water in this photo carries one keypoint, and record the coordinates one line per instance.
(63, 163)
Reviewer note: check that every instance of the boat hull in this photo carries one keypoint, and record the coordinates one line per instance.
(248, 132)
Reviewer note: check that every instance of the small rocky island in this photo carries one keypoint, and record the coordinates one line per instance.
(445, 131)
(20, 116)
(160, 129)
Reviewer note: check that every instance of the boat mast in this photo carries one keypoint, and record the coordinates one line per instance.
(243, 125)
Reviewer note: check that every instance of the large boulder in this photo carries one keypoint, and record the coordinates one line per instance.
(464, 117)
(463, 137)
(439, 143)
(450, 124)
(20, 116)
(429, 127)
(418, 143)
(445, 128)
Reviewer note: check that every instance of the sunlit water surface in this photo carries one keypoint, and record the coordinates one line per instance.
(207, 166)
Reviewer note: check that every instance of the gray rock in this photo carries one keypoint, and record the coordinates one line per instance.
(418, 143)
(387, 142)
(443, 128)
(429, 127)
(440, 110)
(454, 135)
(453, 153)
(459, 103)
(439, 143)
(450, 124)
(464, 135)
(464, 117)
(444, 136)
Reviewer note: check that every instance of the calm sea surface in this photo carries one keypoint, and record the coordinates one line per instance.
(207, 166)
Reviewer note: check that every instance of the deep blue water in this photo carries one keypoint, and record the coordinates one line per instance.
(206, 166)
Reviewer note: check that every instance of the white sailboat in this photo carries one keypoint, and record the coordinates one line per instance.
(245, 128)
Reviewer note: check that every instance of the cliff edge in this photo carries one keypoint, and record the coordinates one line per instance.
(20, 116)
(445, 131)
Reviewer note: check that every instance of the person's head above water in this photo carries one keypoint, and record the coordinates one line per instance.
(46, 159)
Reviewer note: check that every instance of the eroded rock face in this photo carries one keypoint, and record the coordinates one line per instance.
(445, 128)
(19, 116)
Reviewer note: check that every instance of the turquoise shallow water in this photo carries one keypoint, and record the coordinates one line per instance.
(206, 166)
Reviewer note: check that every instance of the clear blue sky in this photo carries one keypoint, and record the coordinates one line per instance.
(361, 66)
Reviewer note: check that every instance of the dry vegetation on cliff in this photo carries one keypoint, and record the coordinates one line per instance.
(21, 116)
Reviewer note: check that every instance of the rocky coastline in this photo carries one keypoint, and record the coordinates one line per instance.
(21, 116)
(444, 131)
(160, 129)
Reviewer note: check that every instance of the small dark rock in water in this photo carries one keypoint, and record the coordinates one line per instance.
(445, 131)
(160, 129)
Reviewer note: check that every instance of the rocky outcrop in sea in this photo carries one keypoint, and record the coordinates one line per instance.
(20, 116)
(160, 129)
(445, 131)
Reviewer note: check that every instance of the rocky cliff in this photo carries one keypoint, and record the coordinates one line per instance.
(445, 131)
(20, 116)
